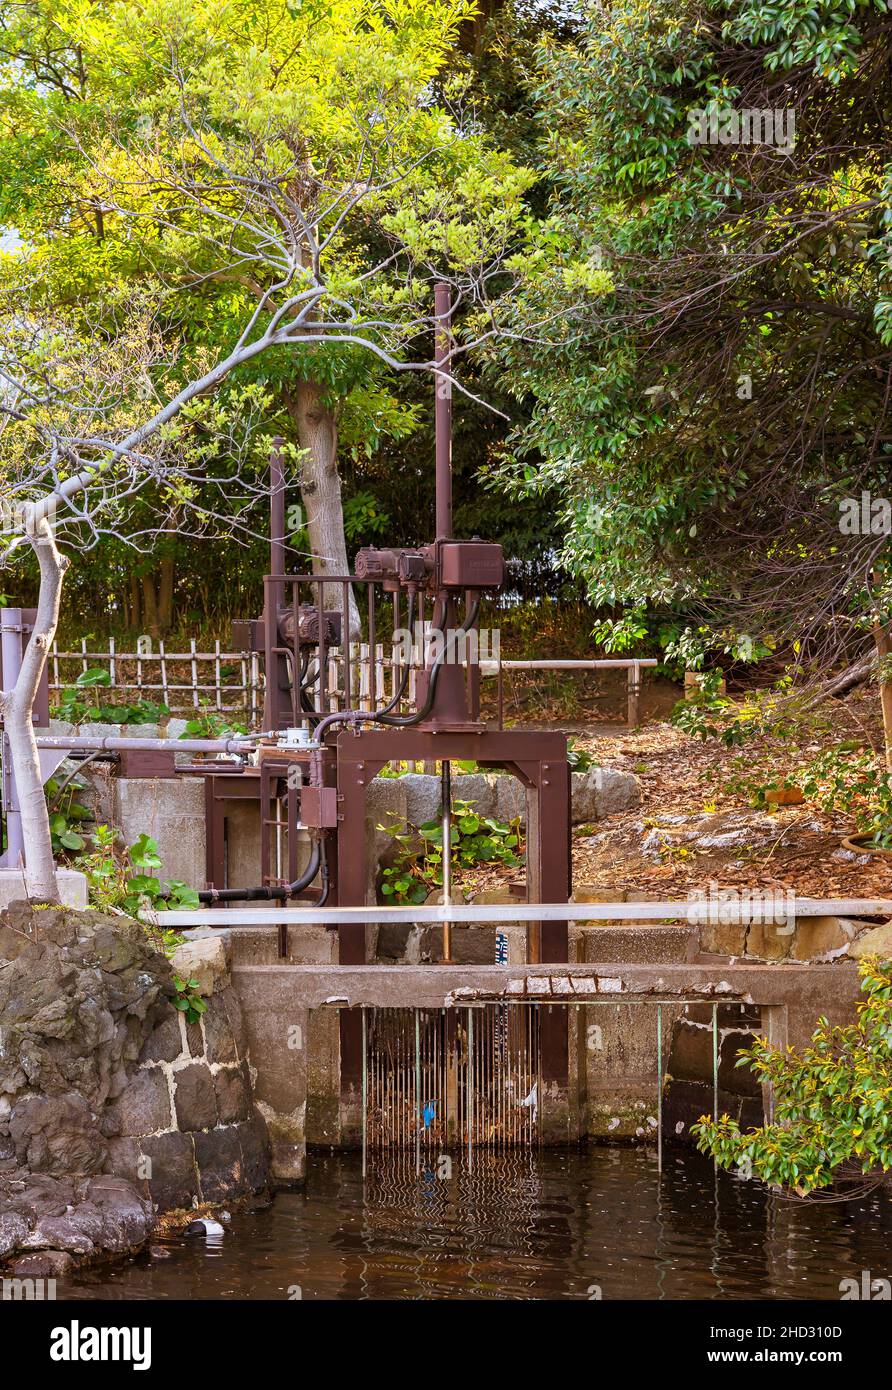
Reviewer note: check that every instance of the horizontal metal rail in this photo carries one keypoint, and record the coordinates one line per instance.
(694, 912)
(491, 668)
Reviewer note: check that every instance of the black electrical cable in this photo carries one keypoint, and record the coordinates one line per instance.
(270, 892)
(404, 721)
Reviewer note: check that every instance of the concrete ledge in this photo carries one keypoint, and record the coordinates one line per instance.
(72, 887)
(813, 989)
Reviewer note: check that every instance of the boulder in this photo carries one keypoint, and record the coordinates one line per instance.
(602, 791)
(822, 936)
(875, 942)
(205, 959)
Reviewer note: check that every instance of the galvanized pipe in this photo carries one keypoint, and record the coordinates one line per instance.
(443, 410)
(10, 665)
(112, 743)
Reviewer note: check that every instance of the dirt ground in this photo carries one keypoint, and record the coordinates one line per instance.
(697, 793)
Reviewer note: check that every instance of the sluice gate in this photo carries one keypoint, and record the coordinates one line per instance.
(437, 1079)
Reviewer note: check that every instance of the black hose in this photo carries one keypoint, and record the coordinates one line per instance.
(268, 892)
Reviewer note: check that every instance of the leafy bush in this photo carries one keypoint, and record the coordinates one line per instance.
(418, 868)
(187, 1000)
(832, 1102)
(66, 813)
(209, 724)
(76, 706)
(120, 878)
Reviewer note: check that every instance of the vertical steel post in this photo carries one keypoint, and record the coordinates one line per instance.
(10, 665)
(443, 411)
(715, 1061)
(365, 1092)
(659, 1088)
(446, 797)
(470, 1084)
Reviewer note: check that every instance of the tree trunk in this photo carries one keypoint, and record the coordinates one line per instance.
(17, 704)
(883, 644)
(134, 614)
(320, 487)
(165, 596)
(150, 606)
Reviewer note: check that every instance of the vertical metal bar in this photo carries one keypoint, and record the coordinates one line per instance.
(470, 1088)
(417, 1092)
(345, 642)
(365, 1092)
(446, 784)
(715, 1061)
(443, 411)
(659, 1088)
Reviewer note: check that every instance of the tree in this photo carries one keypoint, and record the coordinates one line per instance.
(302, 191)
(726, 168)
(141, 141)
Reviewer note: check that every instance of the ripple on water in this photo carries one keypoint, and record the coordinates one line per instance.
(550, 1224)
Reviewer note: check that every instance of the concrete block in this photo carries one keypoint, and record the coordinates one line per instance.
(171, 811)
(816, 936)
(72, 887)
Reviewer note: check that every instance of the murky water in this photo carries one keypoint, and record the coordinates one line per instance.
(554, 1225)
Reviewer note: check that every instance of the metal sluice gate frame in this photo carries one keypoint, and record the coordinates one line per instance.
(468, 1077)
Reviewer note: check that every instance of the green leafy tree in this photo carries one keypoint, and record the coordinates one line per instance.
(726, 387)
(832, 1102)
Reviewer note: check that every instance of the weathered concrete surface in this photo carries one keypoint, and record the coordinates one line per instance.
(171, 811)
(809, 988)
(72, 887)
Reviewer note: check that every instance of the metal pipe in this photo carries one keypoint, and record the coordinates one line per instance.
(528, 912)
(276, 509)
(115, 743)
(659, 1088)
(446, 822)
(443, 410)
(10, 665)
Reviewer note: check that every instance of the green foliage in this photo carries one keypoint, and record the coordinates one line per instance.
(210, 724)
(66, 814)
(418, 865)
(77, 708)
(713, 388)
(187, 1000)
(579, 759)
(120, 877)
(832, 1101)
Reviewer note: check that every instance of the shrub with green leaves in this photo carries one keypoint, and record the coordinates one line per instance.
(418, 866)
(121, 877)
(79, 705)
(832, 1101)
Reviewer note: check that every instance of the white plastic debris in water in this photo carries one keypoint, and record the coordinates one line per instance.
(205, 1226)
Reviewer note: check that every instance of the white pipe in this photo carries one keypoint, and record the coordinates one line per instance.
(694, 912)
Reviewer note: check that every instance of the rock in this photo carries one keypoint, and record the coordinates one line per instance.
(194, 1098)
(233, 1096)
(602, 791)
(144, 1106)
(45, 1264)
(72, 1216)
(511, 800)
(479, 789)
(166, 1042)
(219, 1041)
(722, 938)
(205, 959)
(218, 1155)
(56, 1134)
(422, 793)
(768, 940)
(875, 942)
(822, 936)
